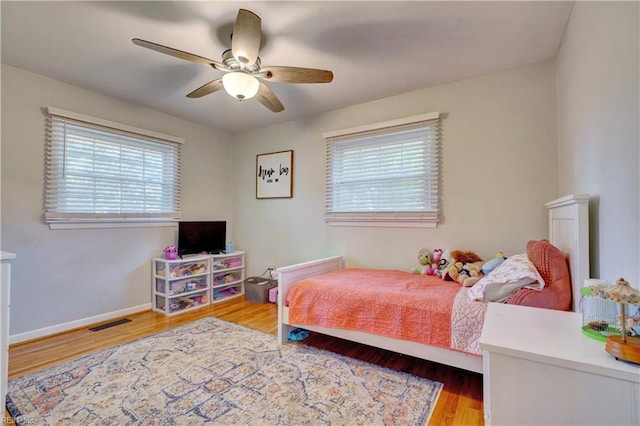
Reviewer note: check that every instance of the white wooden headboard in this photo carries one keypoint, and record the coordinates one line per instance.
(569, 231)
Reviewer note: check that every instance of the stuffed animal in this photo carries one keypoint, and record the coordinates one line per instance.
(445, 256)
(435, 262)
(424, 258)
(464, 257)
(492, 264)
(466, 274)
(170, 252)
(436, 256)
(472, 269)
(464, 268)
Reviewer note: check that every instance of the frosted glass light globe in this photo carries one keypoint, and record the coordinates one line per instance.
(240, 85)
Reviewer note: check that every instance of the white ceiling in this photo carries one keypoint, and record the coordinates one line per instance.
(375, 49)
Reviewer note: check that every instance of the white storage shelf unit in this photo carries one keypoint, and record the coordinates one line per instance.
(195, 281)
(182, 284)
(227, 275)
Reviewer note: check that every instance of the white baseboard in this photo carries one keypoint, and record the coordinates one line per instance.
(59, 328)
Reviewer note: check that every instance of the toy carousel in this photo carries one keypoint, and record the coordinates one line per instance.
(626, 345)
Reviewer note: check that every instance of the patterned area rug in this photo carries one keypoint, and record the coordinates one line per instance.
(212, 371)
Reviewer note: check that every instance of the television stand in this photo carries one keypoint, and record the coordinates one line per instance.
(196, 280)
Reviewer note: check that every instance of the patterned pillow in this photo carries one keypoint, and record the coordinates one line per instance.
(516, 269)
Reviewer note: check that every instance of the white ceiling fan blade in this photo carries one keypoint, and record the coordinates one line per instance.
(296, 75)
(178, 53)
(269, 99)
(206, 89)
(245, 40)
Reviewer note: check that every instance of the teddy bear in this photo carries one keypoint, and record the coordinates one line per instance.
(424, 258)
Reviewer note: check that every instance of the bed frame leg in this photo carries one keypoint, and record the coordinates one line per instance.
(283, 332)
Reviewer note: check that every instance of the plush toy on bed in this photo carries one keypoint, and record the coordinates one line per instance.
(435, 262)
(435, 269)
(464, 267)
(425, 268)
(492, 264)
(445, 257)
(466, 274)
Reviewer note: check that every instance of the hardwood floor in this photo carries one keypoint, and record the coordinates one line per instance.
(460, 402)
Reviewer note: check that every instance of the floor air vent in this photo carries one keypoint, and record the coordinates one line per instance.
(110, 324)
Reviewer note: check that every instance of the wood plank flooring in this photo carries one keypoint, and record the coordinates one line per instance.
(460, 402)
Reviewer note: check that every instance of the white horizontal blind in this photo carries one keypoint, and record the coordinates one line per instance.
(96, 173)
(386, 175)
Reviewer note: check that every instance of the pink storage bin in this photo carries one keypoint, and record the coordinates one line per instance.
(234, 262)
(273, 295)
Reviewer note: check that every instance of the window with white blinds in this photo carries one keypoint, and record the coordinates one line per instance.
(385, 174)
(101, 171)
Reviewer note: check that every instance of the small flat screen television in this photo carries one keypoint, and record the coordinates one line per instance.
(202, 237)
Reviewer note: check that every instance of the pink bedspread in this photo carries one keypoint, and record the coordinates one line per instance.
(389, 303)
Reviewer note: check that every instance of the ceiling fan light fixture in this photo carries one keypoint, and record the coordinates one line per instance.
(242, 66)
(240, 85)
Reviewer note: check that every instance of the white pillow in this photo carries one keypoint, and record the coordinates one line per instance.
(499, 292)
(515, 269)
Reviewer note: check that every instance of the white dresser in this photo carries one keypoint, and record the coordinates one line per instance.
(5, 290)
(540, 369)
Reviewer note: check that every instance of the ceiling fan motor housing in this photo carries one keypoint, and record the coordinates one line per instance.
(229, 61)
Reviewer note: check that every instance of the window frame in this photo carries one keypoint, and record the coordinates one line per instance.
(57, 218)
(416, 219)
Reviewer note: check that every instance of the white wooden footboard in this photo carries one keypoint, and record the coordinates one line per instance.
(289, 275)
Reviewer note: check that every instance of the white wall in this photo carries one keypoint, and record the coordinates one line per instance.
(500, 162)
(65, 276)
(598, 135)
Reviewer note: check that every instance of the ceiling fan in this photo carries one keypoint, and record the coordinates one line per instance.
(244, 76)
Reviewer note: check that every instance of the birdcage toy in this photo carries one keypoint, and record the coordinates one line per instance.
(598, 316)
(625, 342)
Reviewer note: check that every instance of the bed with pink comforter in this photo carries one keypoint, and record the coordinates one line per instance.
(424, 316)
(419, 308)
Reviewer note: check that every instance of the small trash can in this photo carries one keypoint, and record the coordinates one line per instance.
(256, 289)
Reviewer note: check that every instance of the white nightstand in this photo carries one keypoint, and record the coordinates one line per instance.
(540, 369)
(5, 290)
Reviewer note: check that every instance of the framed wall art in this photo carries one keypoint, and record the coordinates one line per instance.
(274, 175)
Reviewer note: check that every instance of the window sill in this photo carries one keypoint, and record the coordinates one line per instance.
(384, 224)
(115, 224)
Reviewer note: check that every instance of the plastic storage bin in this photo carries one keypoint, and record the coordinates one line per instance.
(181, 284)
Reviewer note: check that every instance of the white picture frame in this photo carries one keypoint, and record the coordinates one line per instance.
(274, 175)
